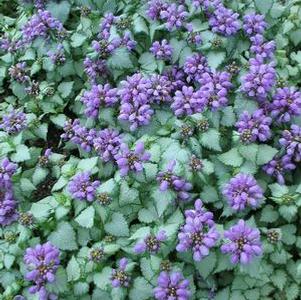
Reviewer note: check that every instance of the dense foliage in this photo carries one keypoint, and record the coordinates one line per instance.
(150, 149)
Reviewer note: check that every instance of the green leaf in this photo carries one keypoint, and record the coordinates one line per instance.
(65, 88)
(147, 215)
(265, 154)
(39, 175)
(292, 292)
(249, 152)
(288, 234)
(215, 58)
(63, 237)
(206, 265)
(141, 289)
(87, 164)
(264, 6)
(177, 47)
(8, 260)
(73, 269)
(140, 25)
(231, 158)
(59, 120)
(81, 288)
(140, 233)
(148, 62)
(120, 60)
(209, 194)
(60, 285)
(223, 294)
(162, 199)
(118, 225)
(211, 139)
(278, 190)
(279, 278)
(268, 214)
(128, 195)
(77, 39)
(22, 154)
(27, 186)
(86, 217)
(102, 279)
(288, 212)
(59, 10)
(228, 118)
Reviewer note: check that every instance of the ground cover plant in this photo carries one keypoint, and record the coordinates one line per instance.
(150, 149)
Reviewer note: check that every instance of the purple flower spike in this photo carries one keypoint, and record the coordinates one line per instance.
(8, 206)
(255, 127)
(119, 277)
(13, 122)
(169, 180)
(244, 243)
(243, 191)
(261, 48)
(187, 102)
(107, 144)
(254, 24)
(260, 79)
(155, 7)
(224, 21)
(82, 188)
(129, 160)
(151, 243)
(278, 166)
(214, 89)
(43, 262)
(95, 68)
(97, 96)
(195, 66)
(161, 89)
(7, 170)
(161, 50)
(172, 286)
(286, 103)
(198, 233)
(291, 140)
(18, 72)
(174, 15)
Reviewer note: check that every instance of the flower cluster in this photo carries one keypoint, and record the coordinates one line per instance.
(198, 233)
(8, 205)
(82, 188)
(119, 277)
(244, 243)
(172, 286)
(97, 96)
(261, 48)
(131, 160)
(161, 89)
(42, 262)
(242, 191)
(161, 50)
(254, 127)
(174, 15)
(254, 24)
(195, 66)
(13, 122)
(95, 68)
(40, 25)
(168, 180)
(19, 73)
(58, 56)
(151, 243)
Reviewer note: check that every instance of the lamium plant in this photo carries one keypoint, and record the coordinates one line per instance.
(150, 150)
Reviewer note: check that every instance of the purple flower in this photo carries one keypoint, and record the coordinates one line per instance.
(172, 286)
(161, 89)
(58, 56)
(187, 102)
(260, 79)
(207, 5)
(107, 144)
(242, 191)
(42, 262)
(195, 66)
(95, 68)
(8, 206)
(168, 180)
(18, 72)
(278, 166)
(255, 127)
(224, 21)
(44, 159)
(198, 233)
(254, 24)
(244, 243)
(9, 45)
(214, 89)
(155, 7)
(120, 278)
(131, 160)
(176, 76)
(286, 103)
(291, 140)
(107, 22)
(135, 95)
(13, 122)
(40, 25)
(97, 96)
(104, 48)
(82, 188)
(151, 243)
(174, 15)
(161, 50)
(193, 37)
(7, 170)
(261, 48)
(128, 42)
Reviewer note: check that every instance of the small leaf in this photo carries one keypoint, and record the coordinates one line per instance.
(231, 158)
(120, 60)
(65, 88)
(265, 154)
(86, 217)
(22, 154)
(215, 59)
(279, 278)
(264, 6)
(73, 269)
(141, 289)
(211, 139)
(118, 225)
